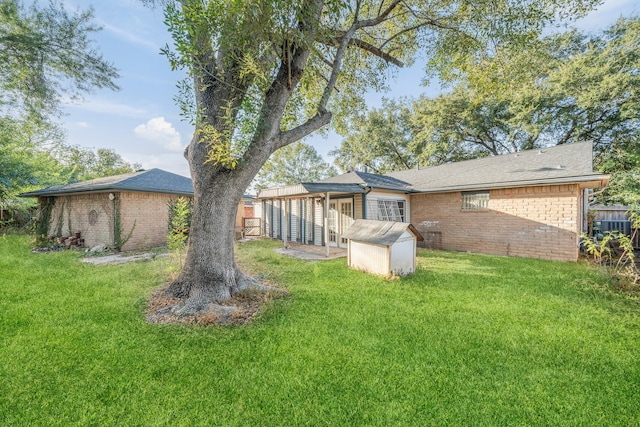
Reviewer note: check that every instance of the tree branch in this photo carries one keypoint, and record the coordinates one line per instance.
(268, 136)
(293, 61)
(567, 135)
(398, 154)
(345, 41)
(369, 48)
(337, 65)
(378, 19)
(313, 124)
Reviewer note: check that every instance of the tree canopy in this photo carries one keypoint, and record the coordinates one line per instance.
(349, 47)
(47, 53)
(81, 164)
(22, 163)
(379, 140)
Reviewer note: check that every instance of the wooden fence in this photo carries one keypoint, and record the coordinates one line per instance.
(252, 226)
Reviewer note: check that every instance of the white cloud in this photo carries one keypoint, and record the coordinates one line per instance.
(82, 125)
(159, 131)
(106, 107)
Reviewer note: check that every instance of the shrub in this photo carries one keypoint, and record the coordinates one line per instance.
(615, 252)
(179, 223)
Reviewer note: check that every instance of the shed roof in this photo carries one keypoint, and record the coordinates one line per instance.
(152, 181)
(567, 163)
(379, 232)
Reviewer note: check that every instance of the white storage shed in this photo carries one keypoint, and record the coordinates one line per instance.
(382, 247)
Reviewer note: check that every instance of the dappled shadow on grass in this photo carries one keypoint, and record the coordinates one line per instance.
(240, 309)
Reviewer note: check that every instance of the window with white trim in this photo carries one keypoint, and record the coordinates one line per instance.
(475, 200)
(386, 210)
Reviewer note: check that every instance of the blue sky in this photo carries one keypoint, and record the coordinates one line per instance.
(141, 121)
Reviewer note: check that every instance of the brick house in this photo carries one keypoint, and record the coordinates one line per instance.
(138, 201)
(530, 204)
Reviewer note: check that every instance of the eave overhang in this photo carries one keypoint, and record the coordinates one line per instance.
(584, 181)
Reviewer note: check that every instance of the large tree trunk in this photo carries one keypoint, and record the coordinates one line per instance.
(210, 274)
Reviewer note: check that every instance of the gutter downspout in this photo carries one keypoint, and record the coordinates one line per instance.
(585, 211)
(364, 201)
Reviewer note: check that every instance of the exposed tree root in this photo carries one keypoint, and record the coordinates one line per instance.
(244, 282)
(247, 299)
(177, 289)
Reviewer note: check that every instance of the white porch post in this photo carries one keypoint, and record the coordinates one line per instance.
(326, 223)
(286, 223)
(308, 219)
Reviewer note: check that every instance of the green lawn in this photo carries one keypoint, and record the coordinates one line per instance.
(467, 340)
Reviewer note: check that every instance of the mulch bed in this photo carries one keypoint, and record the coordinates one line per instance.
(243, 308)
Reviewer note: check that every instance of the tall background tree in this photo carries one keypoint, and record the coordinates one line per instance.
(292, 164)
(266, 73)
(80, 164)
(379, 140)
(22, 162)
(560, 89)
(46, 54)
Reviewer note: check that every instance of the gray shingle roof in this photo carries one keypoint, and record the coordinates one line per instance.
(558, 164)
(569, 163)
(151, 181)
(370, 180)
(378, 232)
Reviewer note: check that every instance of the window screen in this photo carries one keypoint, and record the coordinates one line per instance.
(475, 201)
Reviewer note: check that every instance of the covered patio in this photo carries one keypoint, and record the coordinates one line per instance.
(310, 218)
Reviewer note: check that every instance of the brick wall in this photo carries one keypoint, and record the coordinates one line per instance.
(531, 222)
(150, 214)
(91, 214)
